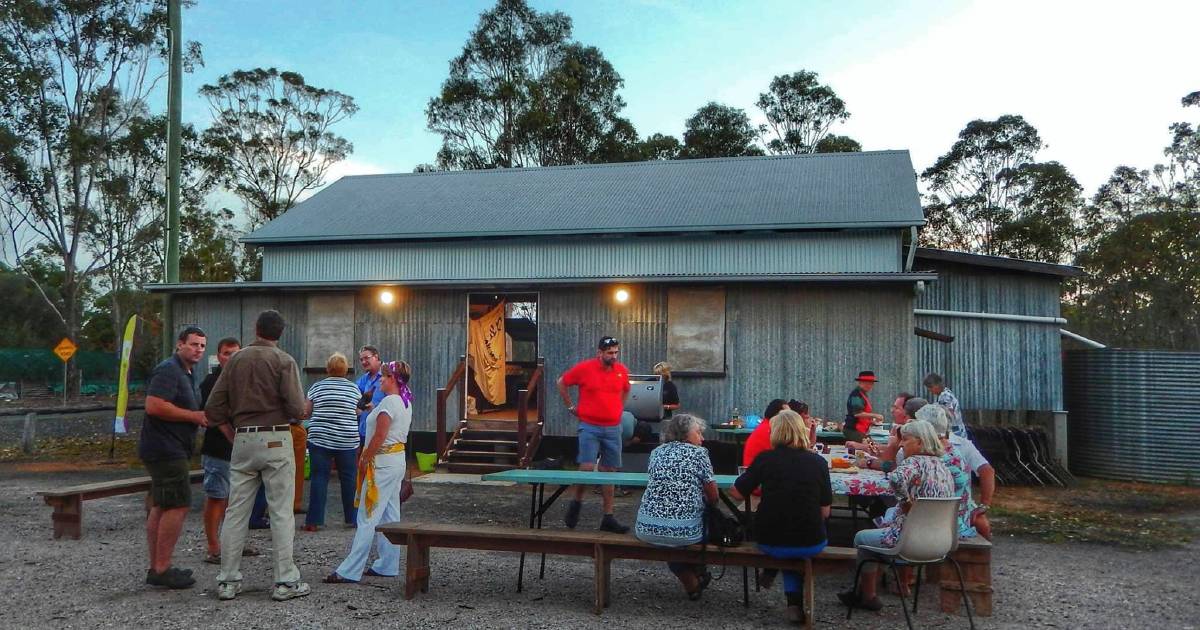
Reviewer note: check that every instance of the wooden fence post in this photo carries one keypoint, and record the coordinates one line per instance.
(29, 433)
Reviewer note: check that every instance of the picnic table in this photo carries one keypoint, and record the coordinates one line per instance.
(738, 436)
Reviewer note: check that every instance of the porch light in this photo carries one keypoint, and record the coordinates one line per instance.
(621, 296)
(387, 297)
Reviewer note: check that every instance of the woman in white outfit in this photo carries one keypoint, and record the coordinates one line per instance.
(381, 468)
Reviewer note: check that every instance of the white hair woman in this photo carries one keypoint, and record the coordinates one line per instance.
(381, 468)
(679, 483)
(796, 500)
(921, 474)
(963, 458)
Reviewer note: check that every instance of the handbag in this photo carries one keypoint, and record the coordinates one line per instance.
(722, 530)
(406, 490)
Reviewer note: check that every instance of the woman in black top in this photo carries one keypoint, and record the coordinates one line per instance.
(796, 498)
(670, 394)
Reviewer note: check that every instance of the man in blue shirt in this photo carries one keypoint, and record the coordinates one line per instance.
(368, 386)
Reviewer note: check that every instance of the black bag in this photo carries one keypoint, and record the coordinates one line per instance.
(722, 530)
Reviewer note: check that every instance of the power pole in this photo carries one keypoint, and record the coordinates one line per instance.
(174, 136)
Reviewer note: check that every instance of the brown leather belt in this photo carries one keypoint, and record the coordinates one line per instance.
(278, 427)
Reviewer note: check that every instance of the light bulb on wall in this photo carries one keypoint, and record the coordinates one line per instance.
(387, 297)
(622, 296)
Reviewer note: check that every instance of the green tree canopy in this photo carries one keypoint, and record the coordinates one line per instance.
(989, 195)
(522, 93)
(800, 111)
(717, 130)
(272, 137)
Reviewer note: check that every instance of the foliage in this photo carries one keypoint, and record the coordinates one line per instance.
(717, 130)
(23, 312)
(521, 93)
(800, 112)
(271, 139)
(838, 144)
(76, 76)
(655, 147)
(989, 195)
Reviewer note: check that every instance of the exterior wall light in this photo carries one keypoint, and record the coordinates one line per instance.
(621, 296)
(387, 297)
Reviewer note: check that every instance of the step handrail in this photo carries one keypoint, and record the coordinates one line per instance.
(443, 393)
(523, 395)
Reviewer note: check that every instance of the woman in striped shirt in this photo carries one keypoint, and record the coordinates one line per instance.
(332, 439)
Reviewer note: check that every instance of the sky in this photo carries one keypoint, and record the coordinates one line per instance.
(1100, 80)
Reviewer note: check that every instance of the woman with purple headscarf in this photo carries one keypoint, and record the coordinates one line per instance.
(381, 469)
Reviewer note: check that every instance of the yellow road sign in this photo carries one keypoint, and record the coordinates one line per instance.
(65, 349)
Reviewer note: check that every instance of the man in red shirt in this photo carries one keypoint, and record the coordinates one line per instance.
(603, 384)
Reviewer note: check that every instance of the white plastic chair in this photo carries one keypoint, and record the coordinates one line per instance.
(929, 536)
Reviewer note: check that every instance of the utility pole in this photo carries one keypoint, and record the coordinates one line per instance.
(174, 135)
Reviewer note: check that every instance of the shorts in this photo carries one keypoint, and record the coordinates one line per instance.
(603, 442)
(216, 477)
(170, 483)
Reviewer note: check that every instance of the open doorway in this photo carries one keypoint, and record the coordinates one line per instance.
(502, 353)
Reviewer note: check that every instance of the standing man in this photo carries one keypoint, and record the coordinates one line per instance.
(255, 397)
(165, 445)
(368, 386)
(946, 398)
(215, 452)
(603, 384)
(859, 415)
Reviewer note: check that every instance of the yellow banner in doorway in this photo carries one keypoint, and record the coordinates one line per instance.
(486, 346)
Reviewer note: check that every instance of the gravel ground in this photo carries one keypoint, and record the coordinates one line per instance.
(96, 582)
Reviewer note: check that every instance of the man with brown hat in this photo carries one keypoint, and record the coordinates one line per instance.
(859, 414)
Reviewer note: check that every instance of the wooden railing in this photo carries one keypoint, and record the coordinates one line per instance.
(443, 394)
(528, 447)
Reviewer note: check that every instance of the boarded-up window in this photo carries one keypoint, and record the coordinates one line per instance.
(696, 330)
(330, 328)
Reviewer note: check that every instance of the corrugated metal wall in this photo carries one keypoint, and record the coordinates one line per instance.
(1134, 414)
(781, 340)
(588, 257)
(992, 364)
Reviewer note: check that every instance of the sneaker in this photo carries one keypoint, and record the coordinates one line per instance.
(610, 524)
(212, 558)
(228, 590)
(171, 578)
(284, 592)
(572, 518)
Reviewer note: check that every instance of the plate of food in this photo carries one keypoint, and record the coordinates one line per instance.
(842, 465)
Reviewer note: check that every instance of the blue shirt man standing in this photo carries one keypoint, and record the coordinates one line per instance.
(368, 386)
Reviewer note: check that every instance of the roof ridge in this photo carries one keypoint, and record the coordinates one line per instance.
(637, 164)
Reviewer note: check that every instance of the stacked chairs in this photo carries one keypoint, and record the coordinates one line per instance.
(1020, 456)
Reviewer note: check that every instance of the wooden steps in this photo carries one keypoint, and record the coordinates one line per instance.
(485, 446)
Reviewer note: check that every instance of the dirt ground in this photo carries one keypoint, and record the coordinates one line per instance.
(96, 582)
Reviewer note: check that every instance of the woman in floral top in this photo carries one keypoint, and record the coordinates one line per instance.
(921, 474)
(679, 482)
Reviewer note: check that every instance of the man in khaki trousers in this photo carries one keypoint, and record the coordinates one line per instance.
(255, 397)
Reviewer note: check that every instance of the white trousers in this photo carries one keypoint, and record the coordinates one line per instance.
(387, 480)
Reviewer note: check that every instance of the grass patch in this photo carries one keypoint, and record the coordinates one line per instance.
(1122, 514)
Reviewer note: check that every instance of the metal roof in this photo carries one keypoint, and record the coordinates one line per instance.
(807, 278)
(998, 262)
(874, 189)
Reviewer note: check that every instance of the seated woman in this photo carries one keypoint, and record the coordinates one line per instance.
(920, 474)
(962, 458)
(796, 499)
(759, 439)
(679, 483)
(381, 468)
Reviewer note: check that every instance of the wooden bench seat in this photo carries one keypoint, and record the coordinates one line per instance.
(67, 516)
(602, 547)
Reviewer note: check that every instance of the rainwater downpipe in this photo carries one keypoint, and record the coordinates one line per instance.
(1012, 318)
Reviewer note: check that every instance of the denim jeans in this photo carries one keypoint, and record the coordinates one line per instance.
(318, 491)
(792, 582)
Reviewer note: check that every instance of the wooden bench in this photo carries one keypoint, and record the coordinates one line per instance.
(68, 502)
(602, 547)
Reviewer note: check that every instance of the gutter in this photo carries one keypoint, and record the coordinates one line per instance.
(996, 316)
(1095, 345)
